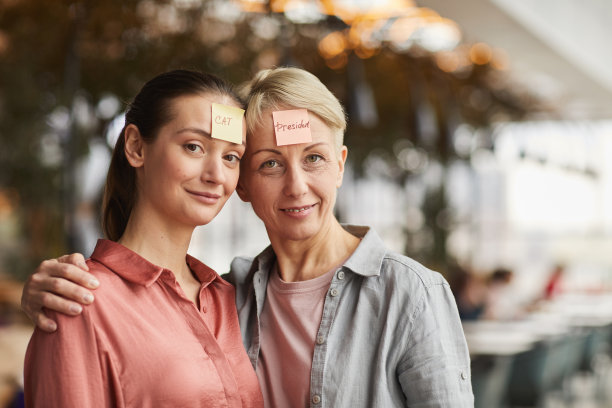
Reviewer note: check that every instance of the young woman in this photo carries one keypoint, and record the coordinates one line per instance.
(329, 317)
(163, 331)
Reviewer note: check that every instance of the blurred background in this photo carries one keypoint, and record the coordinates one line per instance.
(480, 138)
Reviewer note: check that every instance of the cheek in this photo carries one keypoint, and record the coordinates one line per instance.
(262, 192)
(328, 184)
(232, 178)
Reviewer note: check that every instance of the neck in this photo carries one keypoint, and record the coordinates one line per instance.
(160, 243)
(313, 257)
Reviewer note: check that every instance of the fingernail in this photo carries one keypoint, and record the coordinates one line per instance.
(83, 265)
(93, 283)
(88, 298)
(76, 308)
(51, 326)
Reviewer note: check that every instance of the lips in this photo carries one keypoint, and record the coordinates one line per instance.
(204, 196)
(298, 209)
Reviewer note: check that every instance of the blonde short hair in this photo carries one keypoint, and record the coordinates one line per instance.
(283, 87)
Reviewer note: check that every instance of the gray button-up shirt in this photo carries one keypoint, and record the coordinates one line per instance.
(390, 334)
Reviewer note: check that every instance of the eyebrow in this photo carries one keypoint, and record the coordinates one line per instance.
(310, 147)
(200, 132)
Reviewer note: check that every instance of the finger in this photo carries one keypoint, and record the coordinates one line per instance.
(55, 287)
(74, 259)
(61, 305)
(44, 323)
(71, 273)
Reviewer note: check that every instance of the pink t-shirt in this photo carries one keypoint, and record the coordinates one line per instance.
(290, 320)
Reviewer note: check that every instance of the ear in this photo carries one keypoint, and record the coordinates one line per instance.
(341, 162)
(134, 146)
(241, 190)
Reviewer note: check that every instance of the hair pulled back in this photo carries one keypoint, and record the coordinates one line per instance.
(149, 112)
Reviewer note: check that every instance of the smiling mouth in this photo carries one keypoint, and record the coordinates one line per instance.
(205, 195)
(299, 209)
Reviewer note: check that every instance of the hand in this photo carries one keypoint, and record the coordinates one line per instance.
(58, 284)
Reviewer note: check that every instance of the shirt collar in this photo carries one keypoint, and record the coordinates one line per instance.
(368, 257)
(265, 260)
(366, 260)
(134, 268)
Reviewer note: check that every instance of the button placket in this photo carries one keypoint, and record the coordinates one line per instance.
(318, 362)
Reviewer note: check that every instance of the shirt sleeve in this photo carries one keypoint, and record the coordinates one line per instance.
(68, 368)
(435, 368)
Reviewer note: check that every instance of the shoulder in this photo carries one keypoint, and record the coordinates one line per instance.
(408, 271)
(404, 281)
(373, 259)
(243, 268)
(113, 296)
(239, 270)
(109, 280)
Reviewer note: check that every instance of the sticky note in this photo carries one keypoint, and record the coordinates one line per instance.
(227, 123)
(291, 126)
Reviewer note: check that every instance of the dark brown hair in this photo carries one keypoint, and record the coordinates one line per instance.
(149, 112)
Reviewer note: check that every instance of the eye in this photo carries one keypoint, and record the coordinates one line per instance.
(269, 164)
(314, 158)
(232, 158)
(192, 147)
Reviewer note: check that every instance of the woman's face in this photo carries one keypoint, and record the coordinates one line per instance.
(186, 176)
(292, 188)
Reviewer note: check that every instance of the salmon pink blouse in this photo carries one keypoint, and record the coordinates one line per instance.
(143, 343)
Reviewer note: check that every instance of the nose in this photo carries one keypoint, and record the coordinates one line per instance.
(213, 170)
(295, 182)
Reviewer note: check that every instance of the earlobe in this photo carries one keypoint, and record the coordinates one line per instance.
(134, 146)
(242, 192)
(341, 164)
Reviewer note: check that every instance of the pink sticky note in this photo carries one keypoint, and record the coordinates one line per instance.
(291, 126)
(227, 123)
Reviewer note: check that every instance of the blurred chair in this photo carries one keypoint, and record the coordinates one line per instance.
(490, 375)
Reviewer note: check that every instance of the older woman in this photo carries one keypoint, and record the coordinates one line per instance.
(329, 317)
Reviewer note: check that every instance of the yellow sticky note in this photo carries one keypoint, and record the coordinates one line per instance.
(227, 123)
(291, 126)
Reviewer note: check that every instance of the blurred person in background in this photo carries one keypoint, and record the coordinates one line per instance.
(502, 301)
(163, 331)
(329, 316)
(554, 284)
(470, 293)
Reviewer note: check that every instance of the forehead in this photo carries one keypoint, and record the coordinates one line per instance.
(198, 105)
(196, 111)
(263, 133)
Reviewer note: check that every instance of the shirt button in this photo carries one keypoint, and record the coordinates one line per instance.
(464, 375)
(341, 275)
(320, 340)
(334, 292)
(316, 399)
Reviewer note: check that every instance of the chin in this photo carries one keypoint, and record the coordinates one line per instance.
(205, 218)
(301, 233)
